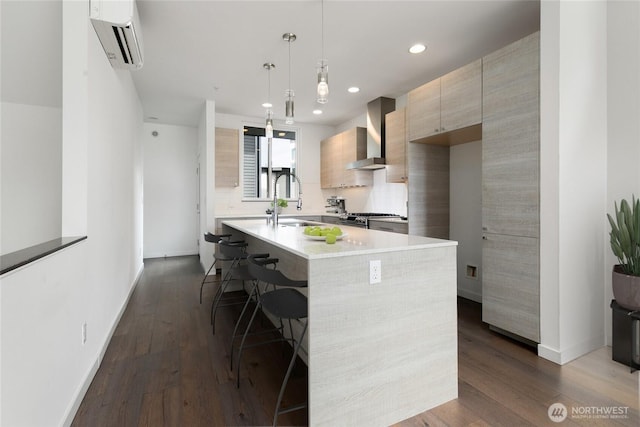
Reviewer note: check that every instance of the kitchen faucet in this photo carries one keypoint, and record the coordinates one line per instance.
(274, 213)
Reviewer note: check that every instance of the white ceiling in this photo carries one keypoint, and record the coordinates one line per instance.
(198, 50)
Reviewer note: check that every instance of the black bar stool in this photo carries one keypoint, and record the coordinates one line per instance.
(234, 252)
(212, 238)
(285, 303)
(263, 260)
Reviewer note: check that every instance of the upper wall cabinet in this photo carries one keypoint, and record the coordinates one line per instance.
(227, 151)
(448, 110)
(396, 146)
(339, 150)
(424, 110)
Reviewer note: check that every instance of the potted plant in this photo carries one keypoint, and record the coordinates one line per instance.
(625, 243)
(282, 203)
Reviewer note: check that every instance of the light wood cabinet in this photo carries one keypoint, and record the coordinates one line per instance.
(339, 150)
(510, 284)
(428, 190)
(396, 146)
(331, 161)
(227, 161)
(511, 189)
(461, 97)
(423, 105)
(447, 104)
(511, 140)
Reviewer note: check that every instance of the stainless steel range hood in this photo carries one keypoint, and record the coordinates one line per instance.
(376, 111)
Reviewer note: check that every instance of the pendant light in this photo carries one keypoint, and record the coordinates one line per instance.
(323, 69)
(269, 121)
(289, 95)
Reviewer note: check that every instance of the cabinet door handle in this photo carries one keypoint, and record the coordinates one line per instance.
(484, 238)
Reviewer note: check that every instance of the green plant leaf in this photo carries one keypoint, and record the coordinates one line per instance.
(614, 227)
(625, 235)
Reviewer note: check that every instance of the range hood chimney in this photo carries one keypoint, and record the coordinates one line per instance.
(376, 111)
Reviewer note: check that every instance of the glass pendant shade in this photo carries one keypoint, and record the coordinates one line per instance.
(289, 107)
(323, 83)
(288, 103)
(269, 125)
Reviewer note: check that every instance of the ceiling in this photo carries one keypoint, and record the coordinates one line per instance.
(199, 50)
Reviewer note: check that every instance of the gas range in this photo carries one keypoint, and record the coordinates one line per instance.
(361, 219)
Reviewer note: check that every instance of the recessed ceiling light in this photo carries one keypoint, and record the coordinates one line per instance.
(417, 48)
(354, 89)
(317, 112)
(267, 105)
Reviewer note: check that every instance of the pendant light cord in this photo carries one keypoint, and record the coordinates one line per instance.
(289, 63)
(269, 84)
(322, 28)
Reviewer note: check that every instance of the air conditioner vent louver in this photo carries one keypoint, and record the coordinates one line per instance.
(123, 43)
(117, 26)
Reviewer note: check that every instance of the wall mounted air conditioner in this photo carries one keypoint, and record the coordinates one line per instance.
(118, 28)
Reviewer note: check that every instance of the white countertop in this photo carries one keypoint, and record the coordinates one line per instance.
(356, 242)
(283, 215)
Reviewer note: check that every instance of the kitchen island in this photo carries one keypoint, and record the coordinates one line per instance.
(376, 353)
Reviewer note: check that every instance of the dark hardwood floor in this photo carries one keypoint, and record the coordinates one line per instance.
(163, 367)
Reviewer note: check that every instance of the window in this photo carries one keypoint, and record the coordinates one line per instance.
(258, 176)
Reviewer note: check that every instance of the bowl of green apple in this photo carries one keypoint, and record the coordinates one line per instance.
(327, 234)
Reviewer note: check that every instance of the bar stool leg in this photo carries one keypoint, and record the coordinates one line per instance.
(205, 278)
(286, 379)
(244, 338)
(244, 309)
(218, 296)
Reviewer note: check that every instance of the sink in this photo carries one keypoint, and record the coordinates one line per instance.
(295, 223)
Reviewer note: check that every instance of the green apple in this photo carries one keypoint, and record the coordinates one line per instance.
(337, 231)
(330, 239)
(314, 232)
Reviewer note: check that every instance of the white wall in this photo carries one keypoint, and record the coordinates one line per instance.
(45, 370)
(228, 201)
(170, 190)
(382, 197)
(623, 147)
(205, 158)
(31, 175)
(574, 177)
(465, 214)
(31, 138)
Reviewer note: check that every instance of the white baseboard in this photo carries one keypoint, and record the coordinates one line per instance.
(82, 390)
(170, 254)
(571, 353)
(470, 295)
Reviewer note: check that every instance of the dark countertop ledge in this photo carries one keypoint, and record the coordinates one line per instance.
(17, 259)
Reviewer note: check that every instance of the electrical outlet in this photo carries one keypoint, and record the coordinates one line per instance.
(84, 333)
(375, 271)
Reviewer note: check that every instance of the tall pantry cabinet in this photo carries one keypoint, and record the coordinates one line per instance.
(510, 188)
